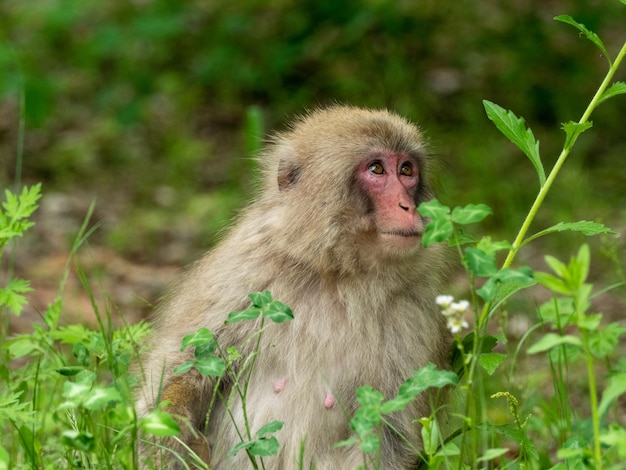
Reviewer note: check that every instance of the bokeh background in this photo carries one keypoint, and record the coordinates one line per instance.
(152, 109)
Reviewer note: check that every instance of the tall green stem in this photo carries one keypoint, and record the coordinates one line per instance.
(561, 160)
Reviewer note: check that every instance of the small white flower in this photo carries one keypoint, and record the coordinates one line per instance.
(456, 324)
(460, 307)
(444, 301)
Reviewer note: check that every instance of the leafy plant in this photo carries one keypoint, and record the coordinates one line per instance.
(479, 259)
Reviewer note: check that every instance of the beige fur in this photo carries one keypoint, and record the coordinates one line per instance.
(364, 311)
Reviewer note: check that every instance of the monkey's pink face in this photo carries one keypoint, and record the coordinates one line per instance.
(391, 181)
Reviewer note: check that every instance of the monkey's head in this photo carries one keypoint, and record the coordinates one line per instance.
(345, 183)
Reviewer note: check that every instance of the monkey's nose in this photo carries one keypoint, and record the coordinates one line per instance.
(404, 207)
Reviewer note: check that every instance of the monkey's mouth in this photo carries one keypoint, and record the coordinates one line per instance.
(403, 233)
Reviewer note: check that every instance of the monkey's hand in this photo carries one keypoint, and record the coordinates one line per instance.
(188, 403)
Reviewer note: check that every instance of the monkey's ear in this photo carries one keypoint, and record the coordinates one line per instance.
(288, 175)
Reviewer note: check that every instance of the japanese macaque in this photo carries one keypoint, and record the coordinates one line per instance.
(334, 234)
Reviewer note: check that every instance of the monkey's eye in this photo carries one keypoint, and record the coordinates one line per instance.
(376, 168)
(406, 170)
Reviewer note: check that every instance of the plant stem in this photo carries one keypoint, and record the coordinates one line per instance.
(561, 160)
(593, 395)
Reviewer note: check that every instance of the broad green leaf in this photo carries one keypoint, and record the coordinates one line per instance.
(510, 284)
(490, 247)
(200, 337)
(573, 130)
(265, 447)
(584, 226)
(99, 397)
(460, 238)
(278, 312)
(159, 423)
(433, 209)
(617, 88)
(514, 128)
(491, 361)
(552, 340)
(470, 214)
(212, 366)
(270, 428)
(241, 445)
(553, 283)
(365, 419)
(367, 396)
(615, 388)
(251, 313)
(440, 226)
(184, 367)
(593, 37)
(370, 443)
(479, 262)
(260, 299)
(437, 231)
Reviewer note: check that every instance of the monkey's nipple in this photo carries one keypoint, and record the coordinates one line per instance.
(329, 401)
(279, 385)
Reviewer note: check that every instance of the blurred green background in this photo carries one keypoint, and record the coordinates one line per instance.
(143, 104)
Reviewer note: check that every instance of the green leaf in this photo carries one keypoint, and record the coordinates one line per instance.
(573, 130)
(99, 398)
(159, 423)
(593, 37)
(491, 454)
(198, 338)
(269, 428)
(370, 443)
(11, 296)
(82, 441)
(240, 446)
(278, 312)
(434, 210)
(251, 313)
(615, 388)
(552, 340)
(584, 226)
(479, 262)
(184, 367)
(470, 214)
(617, 88)
(265, 447)
(367, 396)
(212, 366)
(440, 227)
(559, 268)
(514, 128)
(553, 283)
(490, 361)
(260, 299)
(603, 342)
(69, 371)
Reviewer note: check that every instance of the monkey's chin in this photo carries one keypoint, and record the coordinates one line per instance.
(400, 240)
